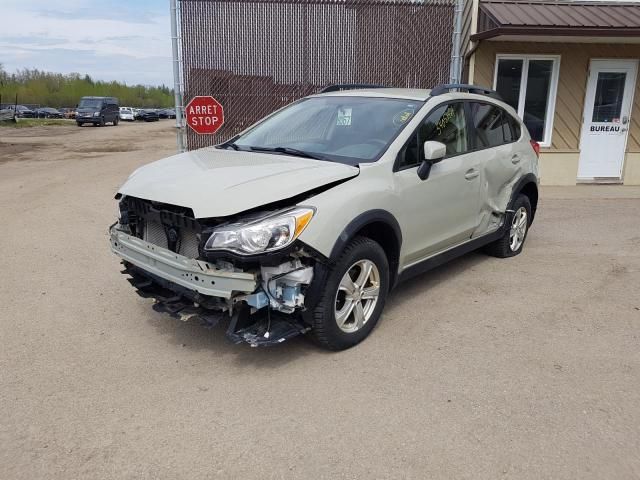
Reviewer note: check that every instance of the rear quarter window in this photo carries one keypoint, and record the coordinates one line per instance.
(493, 125)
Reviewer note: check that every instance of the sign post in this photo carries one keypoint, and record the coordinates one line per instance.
(205, 115)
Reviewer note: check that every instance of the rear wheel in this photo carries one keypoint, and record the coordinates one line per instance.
(79, 124)
(511, 243)
(354, 296)
(115, 121)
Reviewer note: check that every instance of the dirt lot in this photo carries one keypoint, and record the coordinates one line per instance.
(485, 368)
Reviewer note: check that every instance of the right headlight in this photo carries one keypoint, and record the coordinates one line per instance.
(262, 235)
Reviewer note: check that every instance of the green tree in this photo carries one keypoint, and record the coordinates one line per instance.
(59, 90)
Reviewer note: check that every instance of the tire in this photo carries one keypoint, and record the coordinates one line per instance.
(361, 252)
(115, 121)
(506, 246)
(79, 124)
(102, 122)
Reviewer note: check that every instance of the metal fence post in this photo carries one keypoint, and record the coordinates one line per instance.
(456, 60)
(177, 82)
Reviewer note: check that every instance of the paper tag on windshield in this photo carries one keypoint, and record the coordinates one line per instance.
(344, 117)
(401, 117)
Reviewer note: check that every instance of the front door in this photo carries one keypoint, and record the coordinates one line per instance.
(443, 210)
(605, 125)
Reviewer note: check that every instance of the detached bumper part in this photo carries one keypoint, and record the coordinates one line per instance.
(272, 328)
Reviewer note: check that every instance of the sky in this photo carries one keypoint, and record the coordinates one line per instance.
(124, 40)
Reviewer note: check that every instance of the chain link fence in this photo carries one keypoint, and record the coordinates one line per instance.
(255, 56)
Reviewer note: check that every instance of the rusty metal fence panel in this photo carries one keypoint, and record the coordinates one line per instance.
(255, 56)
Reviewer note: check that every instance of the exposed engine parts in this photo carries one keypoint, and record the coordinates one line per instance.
(263, 299)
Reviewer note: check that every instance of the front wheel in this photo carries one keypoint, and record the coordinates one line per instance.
(115, 121)
(353, 297)
(511, 243)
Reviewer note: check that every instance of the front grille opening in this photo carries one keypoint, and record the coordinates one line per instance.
(185, 241)
(166, 226)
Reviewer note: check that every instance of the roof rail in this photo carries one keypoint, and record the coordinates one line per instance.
(440, 89)
(338, 87)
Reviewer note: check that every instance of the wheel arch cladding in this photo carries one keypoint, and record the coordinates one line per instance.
(531, 190)
(381, 227)
(528, 186)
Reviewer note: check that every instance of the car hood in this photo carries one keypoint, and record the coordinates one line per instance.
(217, 183)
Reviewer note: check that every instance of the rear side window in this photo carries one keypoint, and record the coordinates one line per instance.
(493, 125)
(515, 128)
(445, 124)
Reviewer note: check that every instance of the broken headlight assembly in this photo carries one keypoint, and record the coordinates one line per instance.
(265, 234)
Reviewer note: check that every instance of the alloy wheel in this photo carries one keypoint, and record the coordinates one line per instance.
(357, 296)
(518, 229)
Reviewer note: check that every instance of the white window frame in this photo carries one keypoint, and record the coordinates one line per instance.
(553, 88)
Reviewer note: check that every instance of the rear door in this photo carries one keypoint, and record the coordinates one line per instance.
(495, 139)
(442, 210)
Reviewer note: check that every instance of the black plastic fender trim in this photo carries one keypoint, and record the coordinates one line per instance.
(517, 188)
(361, 221)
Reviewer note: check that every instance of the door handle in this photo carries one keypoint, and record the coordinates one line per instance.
(471, 174)
(515, 159)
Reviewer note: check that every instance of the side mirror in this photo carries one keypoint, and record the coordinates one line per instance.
(433, 153)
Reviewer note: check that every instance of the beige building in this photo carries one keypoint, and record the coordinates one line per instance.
(570, 69)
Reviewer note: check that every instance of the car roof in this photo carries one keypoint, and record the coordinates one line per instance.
(414, 94)
(403, 93)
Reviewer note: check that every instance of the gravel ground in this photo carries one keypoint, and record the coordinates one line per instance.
(527, 368)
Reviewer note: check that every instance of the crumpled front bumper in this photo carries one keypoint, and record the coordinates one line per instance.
(186, 272)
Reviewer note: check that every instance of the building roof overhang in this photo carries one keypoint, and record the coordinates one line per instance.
(543, 18)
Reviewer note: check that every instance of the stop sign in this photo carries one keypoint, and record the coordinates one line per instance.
(204, 115)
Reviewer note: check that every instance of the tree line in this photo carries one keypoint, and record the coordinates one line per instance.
(65, 90)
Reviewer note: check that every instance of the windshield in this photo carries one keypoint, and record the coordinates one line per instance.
(90, 103)
(342, 129)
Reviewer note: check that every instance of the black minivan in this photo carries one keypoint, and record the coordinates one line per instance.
(98, 110)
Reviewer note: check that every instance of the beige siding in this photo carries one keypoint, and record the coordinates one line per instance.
(467, 15)
(465, 38)
(572, 82)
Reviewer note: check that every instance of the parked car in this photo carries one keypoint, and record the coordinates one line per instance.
(167, 113)
(305, 221)
(48, 112)
(148, 115)
(126, 113)
(24, 112)
(69, 112)
(98, 111)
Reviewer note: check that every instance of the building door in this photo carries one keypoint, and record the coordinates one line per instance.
(606, 120)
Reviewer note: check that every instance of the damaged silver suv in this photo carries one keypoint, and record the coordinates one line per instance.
(304, 222)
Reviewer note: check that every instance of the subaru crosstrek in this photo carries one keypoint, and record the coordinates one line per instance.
(304, 222)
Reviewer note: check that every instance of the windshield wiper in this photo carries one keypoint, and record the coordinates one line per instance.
(288, 151)
(231, 143)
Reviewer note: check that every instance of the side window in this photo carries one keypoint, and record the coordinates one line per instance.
(491, 125)
(507, 132)
(515, 128)
(445, 124)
